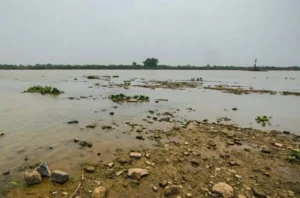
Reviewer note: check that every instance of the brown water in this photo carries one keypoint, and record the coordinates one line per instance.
(32, 122)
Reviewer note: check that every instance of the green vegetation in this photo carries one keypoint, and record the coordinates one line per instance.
(115, 76)
(43, 90)
(123, 98)
(92, 77)
(263, 120)
(295, 156)
(127, 82)
(151, 62)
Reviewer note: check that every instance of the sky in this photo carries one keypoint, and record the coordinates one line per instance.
(177, 32)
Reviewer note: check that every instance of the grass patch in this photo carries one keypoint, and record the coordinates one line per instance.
(263, 120)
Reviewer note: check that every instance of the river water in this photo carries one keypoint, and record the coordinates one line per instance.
(32, 122)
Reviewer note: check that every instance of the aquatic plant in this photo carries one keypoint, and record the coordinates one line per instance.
(92, 77)
(263, 120)
(115, 76)
(43, 90)
(123, 98)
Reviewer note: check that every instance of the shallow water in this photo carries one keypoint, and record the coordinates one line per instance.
(32, 122)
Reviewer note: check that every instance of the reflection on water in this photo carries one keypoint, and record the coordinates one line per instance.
(32, 122)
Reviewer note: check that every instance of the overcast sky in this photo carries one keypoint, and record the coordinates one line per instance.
(177, 32)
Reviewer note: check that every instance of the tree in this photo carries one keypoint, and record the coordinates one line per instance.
(151, 62)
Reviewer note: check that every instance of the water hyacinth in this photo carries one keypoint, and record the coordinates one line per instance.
(123, 98)
(43, 90)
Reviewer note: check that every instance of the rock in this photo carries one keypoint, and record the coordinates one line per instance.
(247, 149)
(2, 134)
(139, 137)
(111, 113)
(32, 177)
(64, 193)
(163, 183)
(286, 132)
(188, 195)
(258, 193)
(7, 172)
(85, 143)
(232, 163)
(119, 173)
(43, 169)
(106, 127)
(223, 189)
(137, 173)
(241, 196)
(110, 165)
(73, 122)
(76, 140)
(135, 155)
(154, 188)
(147, 155)
(195, 163)
(91, 126)
(59, 177)
(278, 145)
(99, 192)
(172, 191)
(266, 150)
(90, 169)
(230, 143)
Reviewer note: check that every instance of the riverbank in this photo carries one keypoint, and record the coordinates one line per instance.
(189, 161)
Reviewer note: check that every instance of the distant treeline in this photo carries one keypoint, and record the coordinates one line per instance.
(138, 67)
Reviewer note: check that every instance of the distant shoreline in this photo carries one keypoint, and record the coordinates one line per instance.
(138, 67)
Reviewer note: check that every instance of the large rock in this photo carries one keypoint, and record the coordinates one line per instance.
(43, 169)
(32, 177)
(223, 189)
(99, 192)
(59, 177)
(137, 173)
(171, 191)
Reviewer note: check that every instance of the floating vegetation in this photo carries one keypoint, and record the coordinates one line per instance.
(123, 98)
(263, 120)
(92, 77)
(115, 76)
(127, 82)
(44, 90)
(288, 93)
(240, 90)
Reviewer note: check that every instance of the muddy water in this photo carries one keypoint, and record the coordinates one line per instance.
(32, 122)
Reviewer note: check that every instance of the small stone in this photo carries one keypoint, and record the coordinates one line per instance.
(147, 155)
(90, 169)
(135, 155)
(238, 176)
(139, 137)
(247, 149)
(2, 134)
(119, 173)
(32, 177)
(92, 126)
(7, 172)
(76, 140)
(232, 163)
(137, 173)
(241, 196)
(259, 193)
(154, 188)
(186, 143)
(223, 189)
(59, 177)
(266, 150)
(195, 163)
(286, 132)
(163, 183)
(110, 165)
(99, 192)
(99, 154)
(64, 193)
(43, 169)
(278, 145)
(73, 122)
(171, 191)
(188, 195)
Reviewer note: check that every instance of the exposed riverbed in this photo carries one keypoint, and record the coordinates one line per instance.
(33, 123)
